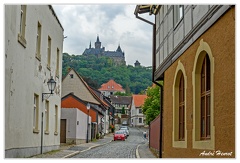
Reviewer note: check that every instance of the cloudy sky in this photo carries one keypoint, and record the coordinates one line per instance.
(114, 24)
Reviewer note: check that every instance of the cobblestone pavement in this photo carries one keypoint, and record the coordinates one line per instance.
(120, 149)
(136, 146)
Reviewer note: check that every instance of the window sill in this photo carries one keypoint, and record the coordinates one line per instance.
(46, 132)
(36, 131)
(22, 40)
(55, 133)
(38, 56)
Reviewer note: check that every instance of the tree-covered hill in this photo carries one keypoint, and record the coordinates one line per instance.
(97, 71)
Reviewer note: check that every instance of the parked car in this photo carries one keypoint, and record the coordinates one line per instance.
(126, 127)
(119, 135)
(125, 130)
(125, 133)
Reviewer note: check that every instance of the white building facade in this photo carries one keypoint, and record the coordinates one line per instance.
(137, 116)
(33, 54)
(75, 126)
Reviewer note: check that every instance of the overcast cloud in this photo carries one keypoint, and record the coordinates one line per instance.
(114, 24)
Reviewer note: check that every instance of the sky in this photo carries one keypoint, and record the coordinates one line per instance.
(115, 24)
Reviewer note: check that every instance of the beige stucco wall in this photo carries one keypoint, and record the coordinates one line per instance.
(26, 76)
(221, 39)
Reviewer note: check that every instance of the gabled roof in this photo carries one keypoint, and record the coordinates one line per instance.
(111, 85)
(81, 101)
(124, 100)
(79, 87)
(139, 100)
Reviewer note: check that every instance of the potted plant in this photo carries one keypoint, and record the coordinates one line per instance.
(112, 128)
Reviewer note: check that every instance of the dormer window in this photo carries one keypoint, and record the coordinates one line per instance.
(112, 87)
(108, 87)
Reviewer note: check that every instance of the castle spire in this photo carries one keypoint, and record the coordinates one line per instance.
(119, 48)
(97, 43)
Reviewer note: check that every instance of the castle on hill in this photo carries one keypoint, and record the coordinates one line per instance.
(117, 56)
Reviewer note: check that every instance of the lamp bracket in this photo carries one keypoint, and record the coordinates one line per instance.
(46, 96)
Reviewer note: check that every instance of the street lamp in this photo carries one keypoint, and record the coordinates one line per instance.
(88, 108)
(51, 86)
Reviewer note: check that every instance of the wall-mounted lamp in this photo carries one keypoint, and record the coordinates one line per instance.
(51, 86)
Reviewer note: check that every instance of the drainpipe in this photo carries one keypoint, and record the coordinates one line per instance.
(153, 70)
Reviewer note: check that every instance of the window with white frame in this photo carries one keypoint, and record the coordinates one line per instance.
(49, 53)
(57, 64)
(178, 14)
(56, 120)
(38, 41)
(140, 120)
(47, 117)
(35, 113)
(21, 34)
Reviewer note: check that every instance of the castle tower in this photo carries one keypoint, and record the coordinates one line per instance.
(119, 49)
(90, 45)
(97, 43)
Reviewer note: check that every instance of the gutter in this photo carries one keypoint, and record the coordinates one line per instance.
(153, 70)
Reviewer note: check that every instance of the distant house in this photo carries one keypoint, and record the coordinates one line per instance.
(137, 116)
(110, 88)
(109, 112)
(33, 55)
(74, 126)
(74, 84)
(121, 103)
(72, 101)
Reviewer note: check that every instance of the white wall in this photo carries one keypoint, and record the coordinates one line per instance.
(26, 76)
(76, 127)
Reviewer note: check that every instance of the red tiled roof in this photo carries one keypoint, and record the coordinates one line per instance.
(111, 85)
(139, 100)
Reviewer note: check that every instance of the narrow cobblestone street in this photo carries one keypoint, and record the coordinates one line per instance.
(117, 149)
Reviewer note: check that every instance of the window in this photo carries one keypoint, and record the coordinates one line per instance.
(47, 117)
(56, 120)
(178, 14)
(35, 113)
(179, 137)
(71, 75)
(21, 34)
(38, 41)
(49, 53)
(140, 111)
(181, 108)
(205, 99)
(140, 120)
(57, 68)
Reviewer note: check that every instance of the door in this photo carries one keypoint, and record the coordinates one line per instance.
(63, 131)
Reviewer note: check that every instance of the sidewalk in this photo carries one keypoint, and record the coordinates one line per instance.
(67, 151)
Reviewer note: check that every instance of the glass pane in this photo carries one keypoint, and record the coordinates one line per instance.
(208, 126)
(208, 105)
(208, 73)
(203, 127)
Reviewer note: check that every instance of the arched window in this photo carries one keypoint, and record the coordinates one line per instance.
(179, 137)
(205, 99)
(181, 108)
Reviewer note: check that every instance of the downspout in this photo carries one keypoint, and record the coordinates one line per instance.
(153, 70)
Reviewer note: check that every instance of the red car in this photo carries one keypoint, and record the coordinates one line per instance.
(119, 135)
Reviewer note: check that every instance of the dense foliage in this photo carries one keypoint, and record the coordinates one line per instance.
(96, 71)
(151, 106)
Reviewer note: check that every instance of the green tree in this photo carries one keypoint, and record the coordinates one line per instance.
(151, 106)
(123, 110)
